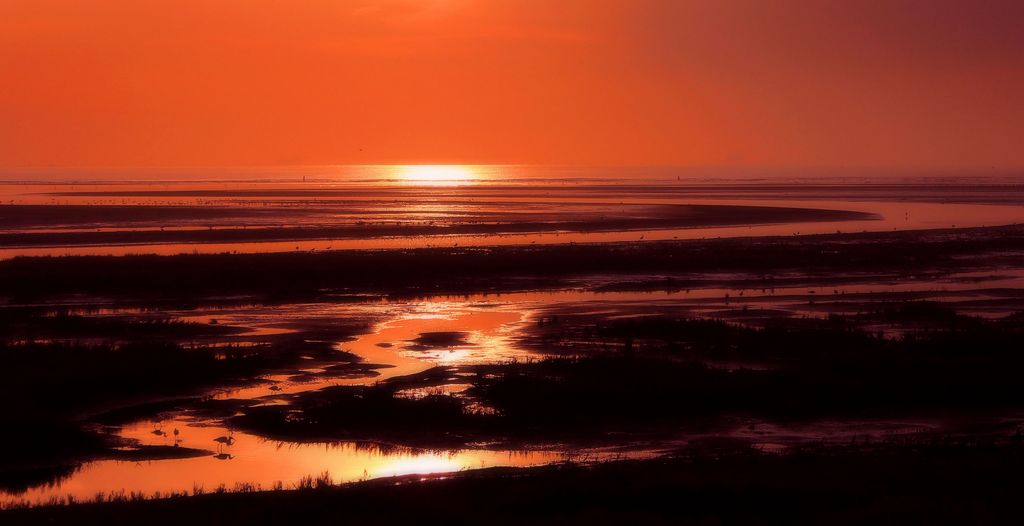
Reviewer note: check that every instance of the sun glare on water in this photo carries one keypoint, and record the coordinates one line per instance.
(435, 174)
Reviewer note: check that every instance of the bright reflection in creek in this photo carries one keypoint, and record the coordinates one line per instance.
(253, 460)
(249, 459)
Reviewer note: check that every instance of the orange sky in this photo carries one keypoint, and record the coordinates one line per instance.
(808, 83)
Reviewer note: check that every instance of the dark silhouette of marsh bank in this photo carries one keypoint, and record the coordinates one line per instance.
(653, 377)
(66, 374)
(939, 481)
(466, 270)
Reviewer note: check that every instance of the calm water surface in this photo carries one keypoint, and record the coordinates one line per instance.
(403, 197)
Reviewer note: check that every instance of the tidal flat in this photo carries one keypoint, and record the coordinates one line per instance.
(264, 371)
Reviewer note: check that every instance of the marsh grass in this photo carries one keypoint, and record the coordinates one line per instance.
(462, 270)
(935, 480)
(668, 379)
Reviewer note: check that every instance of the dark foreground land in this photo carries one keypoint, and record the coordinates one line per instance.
(656, 377)
(929, 482)
(599, 379)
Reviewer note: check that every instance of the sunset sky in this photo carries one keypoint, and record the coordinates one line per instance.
(768, 83)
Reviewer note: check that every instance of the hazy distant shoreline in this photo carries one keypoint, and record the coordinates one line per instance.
(221, 216)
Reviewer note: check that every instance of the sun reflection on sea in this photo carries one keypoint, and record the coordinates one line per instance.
(436, 174)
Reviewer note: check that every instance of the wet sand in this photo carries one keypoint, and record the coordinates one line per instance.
(175, 217)
(80, 218)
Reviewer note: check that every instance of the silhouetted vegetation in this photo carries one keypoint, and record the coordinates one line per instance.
(667, 375)
(457, 270)
(600, 379)
(40, 323)
(55, 386)
(933, 481)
